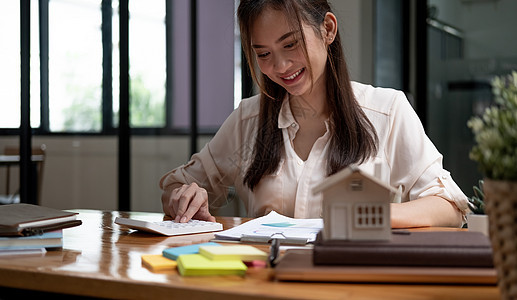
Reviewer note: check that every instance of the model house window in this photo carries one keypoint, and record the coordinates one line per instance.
(356, 185)
(368, 215)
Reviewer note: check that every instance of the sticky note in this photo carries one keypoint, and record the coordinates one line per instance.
(157, 262)
(239, 252)
(199, 265)
(281, 224)
(255, 264)
(174, 253)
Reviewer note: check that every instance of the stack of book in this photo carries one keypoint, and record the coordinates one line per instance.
(459, 257)
(27, 228)
(412, 249)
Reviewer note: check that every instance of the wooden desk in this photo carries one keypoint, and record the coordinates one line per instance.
(100, 259)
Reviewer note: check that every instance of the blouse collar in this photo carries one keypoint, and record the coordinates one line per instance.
(286, 117)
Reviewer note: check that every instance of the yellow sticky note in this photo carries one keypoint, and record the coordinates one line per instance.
(198, 265)
(157, 262)
(240, 252)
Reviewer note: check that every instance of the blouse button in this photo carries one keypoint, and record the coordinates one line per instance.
(444, 177)
(293, 125)
(300, 162)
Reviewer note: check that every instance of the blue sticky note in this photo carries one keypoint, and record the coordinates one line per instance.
(282, 224)
(174, 253)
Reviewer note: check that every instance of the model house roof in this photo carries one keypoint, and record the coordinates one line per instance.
(345, 173)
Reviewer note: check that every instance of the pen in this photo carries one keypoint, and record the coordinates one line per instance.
(273, 252)
(253, 238)
(401, 232)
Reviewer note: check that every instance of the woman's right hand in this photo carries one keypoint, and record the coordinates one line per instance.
(186, 202)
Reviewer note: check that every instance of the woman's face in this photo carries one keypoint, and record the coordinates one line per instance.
(279, 53)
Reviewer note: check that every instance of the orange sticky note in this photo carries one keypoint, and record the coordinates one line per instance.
(157, 262)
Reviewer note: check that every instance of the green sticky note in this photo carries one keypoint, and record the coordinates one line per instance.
(238, 252)
(199, 265)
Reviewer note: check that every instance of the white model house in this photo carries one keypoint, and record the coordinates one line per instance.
(356, 206)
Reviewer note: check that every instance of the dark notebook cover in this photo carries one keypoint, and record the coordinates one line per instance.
(431, 249)
(15, 217)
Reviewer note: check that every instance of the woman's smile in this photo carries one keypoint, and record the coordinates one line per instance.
(294, 77)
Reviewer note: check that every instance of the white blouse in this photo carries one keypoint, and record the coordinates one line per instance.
(408, 158)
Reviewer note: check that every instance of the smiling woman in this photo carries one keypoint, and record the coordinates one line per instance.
(296, 61)
(311, 48)
(308, 122)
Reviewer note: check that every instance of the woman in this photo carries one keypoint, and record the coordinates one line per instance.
(309, 122)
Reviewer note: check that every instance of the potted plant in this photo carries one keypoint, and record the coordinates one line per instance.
(478, 220)
(495, 151)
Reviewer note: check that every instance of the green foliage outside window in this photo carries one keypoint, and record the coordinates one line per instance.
(146, 109)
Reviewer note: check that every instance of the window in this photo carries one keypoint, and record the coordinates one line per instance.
(390, 31)
(147, 63)
(75, 65)
(368, 215)
(80, 83)
(356, 185)
(463, 54)
(10, 65)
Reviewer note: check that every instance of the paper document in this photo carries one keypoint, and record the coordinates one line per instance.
(272, 226)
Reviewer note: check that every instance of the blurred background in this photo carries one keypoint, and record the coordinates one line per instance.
(186, 75)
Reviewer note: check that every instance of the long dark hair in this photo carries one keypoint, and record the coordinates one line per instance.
(353, 138)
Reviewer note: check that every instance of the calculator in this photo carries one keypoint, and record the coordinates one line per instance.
(170, 228)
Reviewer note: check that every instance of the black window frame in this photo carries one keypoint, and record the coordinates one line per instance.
(107, 127)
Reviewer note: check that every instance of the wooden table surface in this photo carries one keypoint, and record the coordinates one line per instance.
(102, 259)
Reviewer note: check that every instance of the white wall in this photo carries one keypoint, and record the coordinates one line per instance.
(81, 172)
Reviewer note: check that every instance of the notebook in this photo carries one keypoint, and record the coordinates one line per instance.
(53, 239)
(274, 226)
(297, 265)
(430, 249)
(27, 219)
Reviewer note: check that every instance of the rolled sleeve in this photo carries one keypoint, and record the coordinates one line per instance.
(436, 181)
